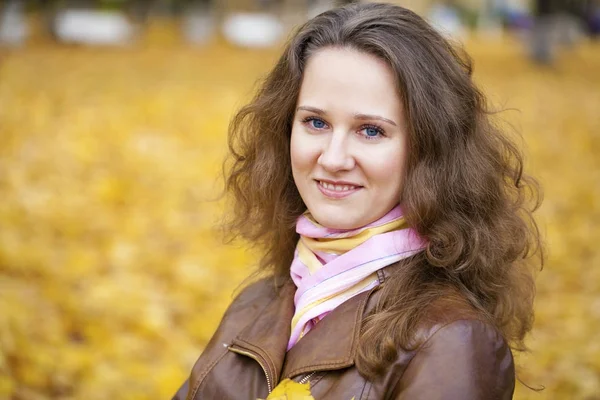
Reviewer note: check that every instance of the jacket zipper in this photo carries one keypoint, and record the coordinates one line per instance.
(255, 358)
(307, 377)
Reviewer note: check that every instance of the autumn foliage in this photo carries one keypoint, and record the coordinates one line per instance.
(112, 275)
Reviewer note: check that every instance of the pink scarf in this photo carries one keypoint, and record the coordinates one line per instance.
(330, 265)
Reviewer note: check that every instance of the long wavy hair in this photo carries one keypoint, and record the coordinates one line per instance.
(465, 190)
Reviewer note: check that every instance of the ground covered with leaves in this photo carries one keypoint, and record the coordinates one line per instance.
(112, 276)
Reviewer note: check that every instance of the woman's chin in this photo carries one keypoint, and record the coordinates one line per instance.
(337, 220)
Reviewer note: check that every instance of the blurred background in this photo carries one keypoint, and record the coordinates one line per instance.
(113, 118)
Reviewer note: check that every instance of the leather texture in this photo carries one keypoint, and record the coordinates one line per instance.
(461, 356)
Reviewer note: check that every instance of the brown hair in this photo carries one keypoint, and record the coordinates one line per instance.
(464, 190)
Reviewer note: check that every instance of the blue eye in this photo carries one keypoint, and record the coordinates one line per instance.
(318, 124)
(315, 123)
(371, 132)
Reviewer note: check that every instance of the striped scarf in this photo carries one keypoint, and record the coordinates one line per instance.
(331, 265)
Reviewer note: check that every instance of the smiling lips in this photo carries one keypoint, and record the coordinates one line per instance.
(337, 190)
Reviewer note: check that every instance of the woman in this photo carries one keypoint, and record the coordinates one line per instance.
(394, 221)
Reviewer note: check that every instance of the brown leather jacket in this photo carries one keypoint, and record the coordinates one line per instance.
(462, 357)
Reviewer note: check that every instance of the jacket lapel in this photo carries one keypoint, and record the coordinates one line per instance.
(332, 343)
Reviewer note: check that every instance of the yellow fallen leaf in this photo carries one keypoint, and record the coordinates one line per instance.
(291, 390)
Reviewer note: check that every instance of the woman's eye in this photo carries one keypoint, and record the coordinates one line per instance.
(317, 123)
(372, 132)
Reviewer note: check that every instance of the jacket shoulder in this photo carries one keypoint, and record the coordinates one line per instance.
(253, 295)
(461, 356)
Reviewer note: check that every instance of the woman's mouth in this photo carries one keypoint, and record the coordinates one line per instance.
(337, 190)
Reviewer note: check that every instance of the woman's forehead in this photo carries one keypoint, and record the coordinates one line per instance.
(341, 78)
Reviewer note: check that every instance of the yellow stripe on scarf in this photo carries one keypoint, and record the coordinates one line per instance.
(348, 293)
(342, 245)
(307, 257)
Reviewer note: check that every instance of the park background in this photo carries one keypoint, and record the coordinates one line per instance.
(113, 275)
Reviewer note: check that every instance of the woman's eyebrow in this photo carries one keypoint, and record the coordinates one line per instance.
(311, 109)
(377, 117)
(318, 111)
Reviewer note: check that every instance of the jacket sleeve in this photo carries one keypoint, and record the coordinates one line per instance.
(464, 360)
(182, 392)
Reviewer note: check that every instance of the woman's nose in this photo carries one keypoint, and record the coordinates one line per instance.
(335, 156)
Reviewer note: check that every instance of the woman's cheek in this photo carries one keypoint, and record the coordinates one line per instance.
(304, 149)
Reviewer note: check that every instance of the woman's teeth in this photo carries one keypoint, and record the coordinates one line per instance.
(337, 188)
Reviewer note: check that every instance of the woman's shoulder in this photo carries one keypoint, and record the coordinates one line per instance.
(465, 341)
(256, 293)
(253, 293)
(460, 353)
(451, 315)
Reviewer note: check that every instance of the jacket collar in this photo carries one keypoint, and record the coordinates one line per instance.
(338, 334)
(332, 343)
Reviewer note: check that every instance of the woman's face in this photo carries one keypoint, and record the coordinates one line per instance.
(348, 145)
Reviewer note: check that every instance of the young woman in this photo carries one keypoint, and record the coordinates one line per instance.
(394, 219)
